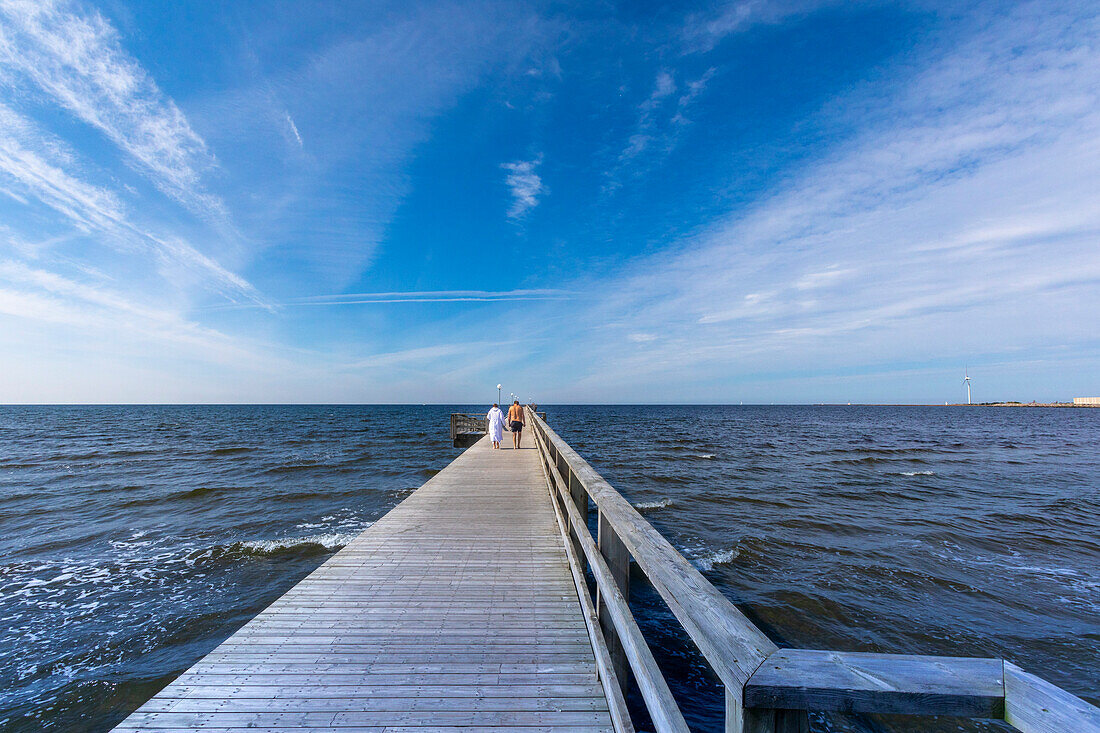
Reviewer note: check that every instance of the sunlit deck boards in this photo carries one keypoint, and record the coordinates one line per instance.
(454, 611)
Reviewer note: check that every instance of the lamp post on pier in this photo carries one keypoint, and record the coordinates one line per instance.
(498, 394)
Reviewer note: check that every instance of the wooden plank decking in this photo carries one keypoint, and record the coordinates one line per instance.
(455, 611)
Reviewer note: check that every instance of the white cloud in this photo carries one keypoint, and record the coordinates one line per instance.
(365, 99)
(421, 296)
(294, 130)
(77, 59)
(420, 355)
(703, 31)
(659, 127)
(31, 161)
(364, 96)
(959, 221)
(436, 296)
(663, 87)
(694, 89)
(525, 185)
(822, 279)
(41, 295)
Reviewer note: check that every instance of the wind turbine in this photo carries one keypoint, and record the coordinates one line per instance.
(966, 381)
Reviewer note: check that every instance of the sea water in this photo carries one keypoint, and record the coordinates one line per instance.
(136, 538)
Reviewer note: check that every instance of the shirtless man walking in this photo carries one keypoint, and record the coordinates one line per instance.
(516, 421)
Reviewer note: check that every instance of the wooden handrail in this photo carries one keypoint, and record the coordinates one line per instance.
(857, 682)
(660, 703)
(730, 643)
(767, 688)
(463, 423)
(1033, 705)
(616, 703)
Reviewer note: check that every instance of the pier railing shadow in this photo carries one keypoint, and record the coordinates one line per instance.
(767, 689)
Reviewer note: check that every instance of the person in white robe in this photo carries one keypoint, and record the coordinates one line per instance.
(496, 425)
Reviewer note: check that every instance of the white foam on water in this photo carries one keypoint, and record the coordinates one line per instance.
(649, 505)
(916, 473)
(706, 562)
(329, 540)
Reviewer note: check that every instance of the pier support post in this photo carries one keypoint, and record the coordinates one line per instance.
(618, 561)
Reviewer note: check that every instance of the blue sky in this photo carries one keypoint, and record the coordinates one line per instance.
(594, 202)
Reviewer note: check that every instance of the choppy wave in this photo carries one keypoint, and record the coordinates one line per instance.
(648, 506)
(231, 450)
(709, 560)
(140, 557)
(305, 465)
(329, 541)
(871, 460)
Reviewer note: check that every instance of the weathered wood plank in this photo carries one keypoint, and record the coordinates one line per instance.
(807, 679)
(352, 690)
(440, 665)
(397, 729)
(308, 703)
(428, 719)
(1033, 705)
(326, 678)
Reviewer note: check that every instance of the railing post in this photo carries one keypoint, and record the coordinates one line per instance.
(735, 713)
(580, 500)
(618, 561)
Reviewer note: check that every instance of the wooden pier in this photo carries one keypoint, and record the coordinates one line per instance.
(467, 607)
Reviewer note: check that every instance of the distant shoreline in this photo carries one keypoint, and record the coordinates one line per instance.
(937, 404)
(464, 405)
(1020, 404)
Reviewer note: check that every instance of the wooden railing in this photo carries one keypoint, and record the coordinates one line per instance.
(466, 429)
(767, 689)
(467, 425)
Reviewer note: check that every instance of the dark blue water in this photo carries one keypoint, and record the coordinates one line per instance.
(136, 538)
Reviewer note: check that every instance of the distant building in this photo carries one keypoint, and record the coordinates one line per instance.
(1086, 400)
